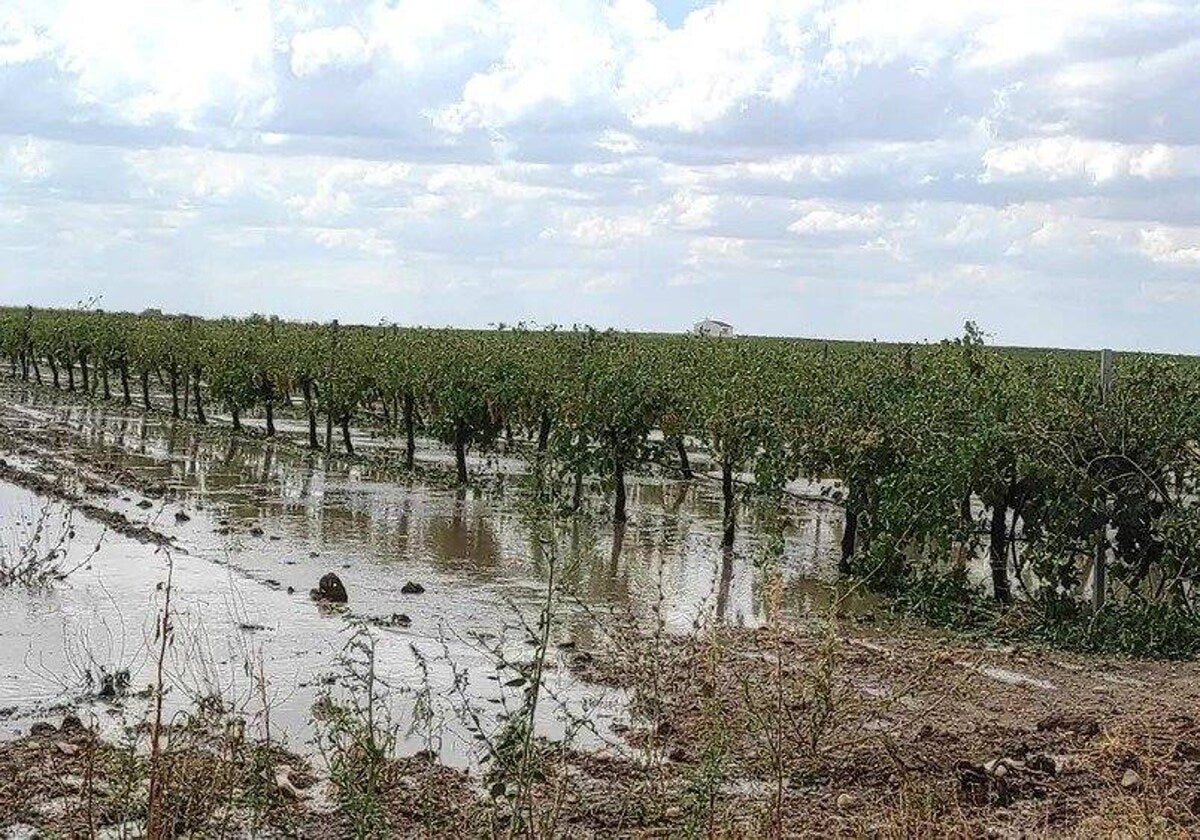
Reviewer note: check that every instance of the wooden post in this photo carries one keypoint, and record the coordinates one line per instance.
(1100, 563)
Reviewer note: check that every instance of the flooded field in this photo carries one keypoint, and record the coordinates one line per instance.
(253, 524)
(661, 660)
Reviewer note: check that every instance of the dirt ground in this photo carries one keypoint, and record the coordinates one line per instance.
(793, 733)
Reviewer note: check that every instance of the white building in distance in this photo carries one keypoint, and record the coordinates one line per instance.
(711, 327)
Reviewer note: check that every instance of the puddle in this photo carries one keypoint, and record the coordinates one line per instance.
(256, 523)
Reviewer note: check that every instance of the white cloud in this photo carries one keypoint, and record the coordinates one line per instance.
(176, 61)
(20, 42)
(367, 241)
(1179, 246)
(332, 46)
(1064, 158)
(603, 232)
(28, 159)
(826, 220)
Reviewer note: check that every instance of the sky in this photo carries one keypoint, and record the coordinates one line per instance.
(845, 169)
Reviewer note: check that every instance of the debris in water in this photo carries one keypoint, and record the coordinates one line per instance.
(330, 589)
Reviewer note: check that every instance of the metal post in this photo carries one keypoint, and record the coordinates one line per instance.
(1100, 563)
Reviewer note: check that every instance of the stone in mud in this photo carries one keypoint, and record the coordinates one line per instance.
(412, 588)
(330, 589)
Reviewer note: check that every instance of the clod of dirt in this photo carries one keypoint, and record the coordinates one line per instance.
(145, 504)
(41, 729)
(256, 531)
(182, 517)
(330, 589)
(412, 588)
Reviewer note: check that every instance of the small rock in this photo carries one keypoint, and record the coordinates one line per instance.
(182, 517)
(256, 531)
(400, 620)
(331, 589)
(845, 801)
(291, 590)
(412, 588)
(145, 504)
(66, 748)
(41, 729)
(1131, 780)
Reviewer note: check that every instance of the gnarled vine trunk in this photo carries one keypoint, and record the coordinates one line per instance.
(998, 554)
(460, 450)
(410, 433)
(685, 466)
(729, 519)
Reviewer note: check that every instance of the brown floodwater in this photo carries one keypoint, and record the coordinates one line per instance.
(255, 523)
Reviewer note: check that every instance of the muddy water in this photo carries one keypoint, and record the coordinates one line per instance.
(255, 524)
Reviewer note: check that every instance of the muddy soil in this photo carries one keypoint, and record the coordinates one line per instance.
(844, 731)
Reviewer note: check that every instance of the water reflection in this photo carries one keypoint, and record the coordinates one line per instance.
(667, 562)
